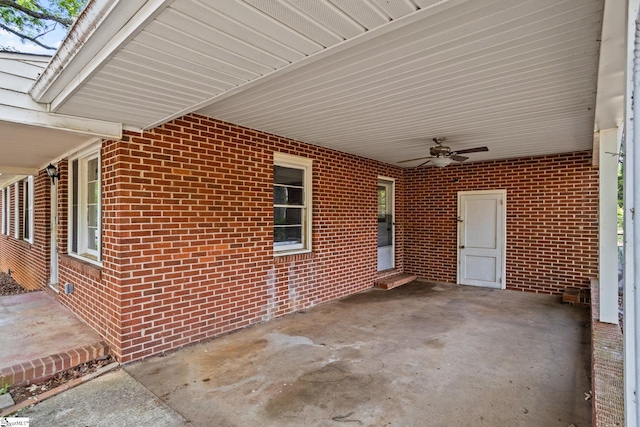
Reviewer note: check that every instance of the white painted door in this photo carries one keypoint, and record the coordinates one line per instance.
(481, 238)
(53, 278)
(386, 254)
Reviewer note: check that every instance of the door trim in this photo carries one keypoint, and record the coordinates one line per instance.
(503, 242)
(54, 273)
(392, 183)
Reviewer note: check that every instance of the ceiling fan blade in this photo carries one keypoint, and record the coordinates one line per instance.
(471, 150)
(413, 160)
(458, 158)
(422, 164)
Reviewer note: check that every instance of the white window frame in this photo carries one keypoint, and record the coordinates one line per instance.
(16, 210)
(306, 164)
(7, 210)
(27, 217)
(83, 252)
(4, 209)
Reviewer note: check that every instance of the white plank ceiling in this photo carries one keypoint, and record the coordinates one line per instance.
(375, 78)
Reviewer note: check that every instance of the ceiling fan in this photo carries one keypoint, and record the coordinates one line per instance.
(442, 156)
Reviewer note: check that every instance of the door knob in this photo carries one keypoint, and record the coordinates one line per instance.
(462, 247)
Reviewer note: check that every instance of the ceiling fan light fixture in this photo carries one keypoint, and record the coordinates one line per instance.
(441, 162)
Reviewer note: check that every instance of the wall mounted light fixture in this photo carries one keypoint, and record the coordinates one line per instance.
(53, 173)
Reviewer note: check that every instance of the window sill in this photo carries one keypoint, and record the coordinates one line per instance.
(88, 259)
(86, 267)
(293, 256)
(25, 244)
(21, 243)
(290, 252)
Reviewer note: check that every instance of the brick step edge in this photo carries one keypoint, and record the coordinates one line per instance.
(578, 297)
(54, 391)
(46, 367)
(394, 281)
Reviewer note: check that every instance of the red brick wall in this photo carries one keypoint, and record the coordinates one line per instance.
(188, 231)
(28, 262)
(94, 298)
(552, 214)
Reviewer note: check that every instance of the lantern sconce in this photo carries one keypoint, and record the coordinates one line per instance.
(53, 173)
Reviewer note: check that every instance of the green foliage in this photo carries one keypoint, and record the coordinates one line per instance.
(620, 185)
(620, 195)
(4, 389)
(32, 19)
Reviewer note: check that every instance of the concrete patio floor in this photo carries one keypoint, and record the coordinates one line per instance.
(419, 355)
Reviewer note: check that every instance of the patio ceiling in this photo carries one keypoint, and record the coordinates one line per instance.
(373, 78)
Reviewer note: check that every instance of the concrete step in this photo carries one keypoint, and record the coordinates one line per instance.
(395, 281)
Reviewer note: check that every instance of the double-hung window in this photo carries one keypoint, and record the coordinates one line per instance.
(292, 182)
(27, 206)
(85, 207)
(6, 209)
(16, 212)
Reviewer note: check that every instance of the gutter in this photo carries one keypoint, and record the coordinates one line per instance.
(83, 29)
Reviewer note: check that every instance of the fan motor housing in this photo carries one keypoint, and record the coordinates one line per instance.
(440, 150)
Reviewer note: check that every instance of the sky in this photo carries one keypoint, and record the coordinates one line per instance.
(9, 40)
(52, 39)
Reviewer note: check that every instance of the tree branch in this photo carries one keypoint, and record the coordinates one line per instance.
(35, 14)
(24, 36)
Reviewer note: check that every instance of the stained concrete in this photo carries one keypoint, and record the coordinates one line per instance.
(34, 325)
(114, 399)
(419, 355)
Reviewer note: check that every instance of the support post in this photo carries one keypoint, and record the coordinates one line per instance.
(608, 226)
(631, 224)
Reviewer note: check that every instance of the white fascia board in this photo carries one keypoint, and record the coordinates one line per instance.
(610, 97)
(98, 128)
(100, 31)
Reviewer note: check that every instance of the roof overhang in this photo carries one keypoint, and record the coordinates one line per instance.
(610, 105)
(374, 78)
(30, 135)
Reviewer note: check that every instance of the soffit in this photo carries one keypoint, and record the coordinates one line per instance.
(373, 78)
(25, 149)
(30, 136)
